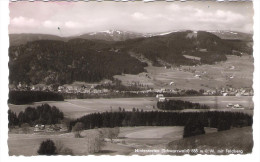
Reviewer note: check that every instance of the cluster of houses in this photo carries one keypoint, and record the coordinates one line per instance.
(235, 106)
(160, 97)
(25, 87)
(90, 89)
(237, 92)
(48, 128)
(81, 89)
(60, 89)
(229, 92)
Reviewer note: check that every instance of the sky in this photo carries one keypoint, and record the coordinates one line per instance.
(75, 18)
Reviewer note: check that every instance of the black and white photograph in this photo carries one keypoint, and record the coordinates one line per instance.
(130, 78)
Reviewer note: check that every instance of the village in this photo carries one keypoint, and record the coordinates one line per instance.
(91, 89)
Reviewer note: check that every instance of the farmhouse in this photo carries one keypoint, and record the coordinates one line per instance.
(39, 128)
(230, 105)
(237, 106)
(162, 99)
(159, 95)
(225, 94)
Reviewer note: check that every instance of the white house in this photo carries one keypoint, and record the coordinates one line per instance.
(39, 128)
(225, 94)
(162, 99)
(230, 105)
(159, 95)
(237, 106)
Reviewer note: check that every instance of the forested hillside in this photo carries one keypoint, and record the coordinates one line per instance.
(62, 62)
(172, 47)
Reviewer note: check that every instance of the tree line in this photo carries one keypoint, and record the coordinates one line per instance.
(180, 105)
(159, 118)
(25, 97)
(43, 114)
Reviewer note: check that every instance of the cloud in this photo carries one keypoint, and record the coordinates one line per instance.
(23, 22)
(248, 27)
(218, 16)
(51, 24)
(139, 16)
(173, 7)
(72, 24)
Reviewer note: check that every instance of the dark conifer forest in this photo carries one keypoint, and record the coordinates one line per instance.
(25, 97)
(159, 118)
(179, 105)
(44, 114)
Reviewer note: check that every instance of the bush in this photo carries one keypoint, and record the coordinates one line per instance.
(113, 133)
(78, 128)
(110, 133)
(47, 148)
(95, 141)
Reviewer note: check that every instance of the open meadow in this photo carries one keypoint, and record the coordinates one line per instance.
(236, 71)
(79, 107)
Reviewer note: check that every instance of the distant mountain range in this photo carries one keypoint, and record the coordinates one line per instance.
(49, 59)
(232, 35)
(116, 35)
(108, 35)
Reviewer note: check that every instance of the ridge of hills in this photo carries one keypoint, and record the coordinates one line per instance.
(117, 35)
(54, 60)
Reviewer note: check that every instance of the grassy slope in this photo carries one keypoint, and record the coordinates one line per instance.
(239, 139)
(212, 76)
